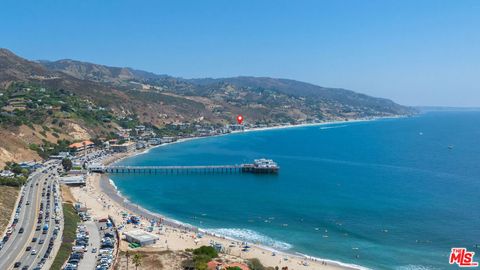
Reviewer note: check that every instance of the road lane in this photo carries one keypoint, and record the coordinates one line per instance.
(26, 220)
(14, 248)
(28, 259)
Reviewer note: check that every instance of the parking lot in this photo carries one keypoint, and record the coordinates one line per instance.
(93, 248)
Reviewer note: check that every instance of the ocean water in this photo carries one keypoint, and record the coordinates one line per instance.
(386, 194)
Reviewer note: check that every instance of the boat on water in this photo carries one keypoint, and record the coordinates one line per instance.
(261, 165)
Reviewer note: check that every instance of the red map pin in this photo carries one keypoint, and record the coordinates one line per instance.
(239, 119)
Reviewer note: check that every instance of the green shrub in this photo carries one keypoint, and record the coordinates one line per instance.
(202, 255)
(255, 264)
(16, 181)
(205, 250)
(71, 220)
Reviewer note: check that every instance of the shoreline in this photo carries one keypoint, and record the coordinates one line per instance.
(259, 129)
(107, 186)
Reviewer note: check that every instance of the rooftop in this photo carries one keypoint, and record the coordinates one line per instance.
(80, 144)
(141, 235)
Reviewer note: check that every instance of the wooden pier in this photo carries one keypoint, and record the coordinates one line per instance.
(260, 166)
(213, 169)
(174, 169)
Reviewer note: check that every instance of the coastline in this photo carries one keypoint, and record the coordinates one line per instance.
(259, 129)
(107, 187)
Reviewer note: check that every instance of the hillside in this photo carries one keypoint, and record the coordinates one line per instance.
(14, 68)
(43, 102)
(331, 102)
(95, 72)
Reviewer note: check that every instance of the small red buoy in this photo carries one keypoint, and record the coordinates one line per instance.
(239, 119)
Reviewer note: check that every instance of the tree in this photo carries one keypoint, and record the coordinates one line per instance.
(67, 164)
(202, 255)
(255, 264)
(127, 254)
(137, 260)
(206, 250)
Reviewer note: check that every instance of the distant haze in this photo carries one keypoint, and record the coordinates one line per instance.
(414, 52)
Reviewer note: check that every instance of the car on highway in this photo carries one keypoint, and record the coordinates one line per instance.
(28, 248)
(41, 241)
(17, 264)
(21, 230)
(34, 240)
(34, 252)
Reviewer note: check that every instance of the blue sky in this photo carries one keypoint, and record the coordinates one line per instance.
(414, 52)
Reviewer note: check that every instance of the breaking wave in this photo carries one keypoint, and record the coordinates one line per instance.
(250, 236)
(336, 126)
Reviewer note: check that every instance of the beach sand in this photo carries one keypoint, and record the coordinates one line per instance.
(102, 199)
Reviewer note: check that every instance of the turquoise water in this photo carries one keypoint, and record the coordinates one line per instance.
(385, 194)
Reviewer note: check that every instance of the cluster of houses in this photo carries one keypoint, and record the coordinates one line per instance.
(140, 137)
(130, 140)
(29, 165)
(19, 100)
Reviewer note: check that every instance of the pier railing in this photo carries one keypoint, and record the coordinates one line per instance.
(238, 168)
(174, 169)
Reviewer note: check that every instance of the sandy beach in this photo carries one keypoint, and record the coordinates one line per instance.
(102, 199)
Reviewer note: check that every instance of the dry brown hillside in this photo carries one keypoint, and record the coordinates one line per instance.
(90, 100)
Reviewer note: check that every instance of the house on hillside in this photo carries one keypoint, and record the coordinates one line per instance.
(80, 146)
(123, 148)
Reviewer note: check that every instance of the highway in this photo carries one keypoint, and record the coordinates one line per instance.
(37, 260)
(14, 248)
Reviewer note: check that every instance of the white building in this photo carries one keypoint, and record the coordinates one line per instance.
(73, 180)
(96, 167)
(140, 237)
(123, 148)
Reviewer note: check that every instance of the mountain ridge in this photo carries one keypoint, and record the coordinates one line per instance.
(54, 99)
